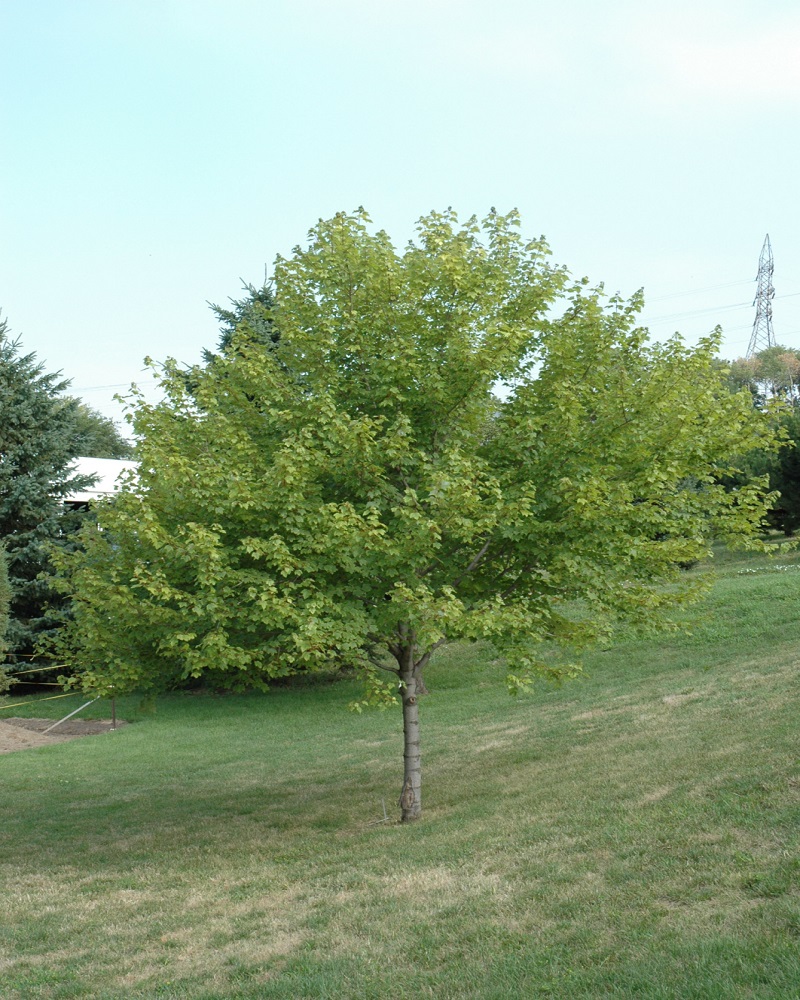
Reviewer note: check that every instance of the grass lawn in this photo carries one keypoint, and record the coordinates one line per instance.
(632, 834)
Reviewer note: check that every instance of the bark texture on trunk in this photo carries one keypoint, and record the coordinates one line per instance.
(411, 796)
(409, 670)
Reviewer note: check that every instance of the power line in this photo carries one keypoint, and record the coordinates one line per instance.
(697, 312)
(712, 309)
(697, 291)
(91, 388)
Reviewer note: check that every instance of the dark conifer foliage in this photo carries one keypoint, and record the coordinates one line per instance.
(784, 476)
(251, 315)
(38, 445)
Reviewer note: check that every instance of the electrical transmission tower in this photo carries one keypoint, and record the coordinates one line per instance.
(763, 336)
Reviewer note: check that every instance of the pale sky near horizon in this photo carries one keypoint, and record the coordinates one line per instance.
(155, 154)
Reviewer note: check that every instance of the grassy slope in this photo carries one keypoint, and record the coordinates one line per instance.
(634, 833)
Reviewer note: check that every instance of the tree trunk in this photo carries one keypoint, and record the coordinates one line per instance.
(411, 687)
(411, 796)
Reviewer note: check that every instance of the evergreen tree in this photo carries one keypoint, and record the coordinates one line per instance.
(250, 317)
(250, 320)
(38, 444)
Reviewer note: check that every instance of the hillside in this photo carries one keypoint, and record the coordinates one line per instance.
(633, 833)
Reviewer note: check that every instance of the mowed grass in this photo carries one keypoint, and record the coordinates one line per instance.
(631, 834)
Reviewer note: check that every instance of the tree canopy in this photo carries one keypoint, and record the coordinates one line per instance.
(452, 441)
(98, 436)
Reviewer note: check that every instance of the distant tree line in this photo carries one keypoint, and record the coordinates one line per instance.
(773, 379)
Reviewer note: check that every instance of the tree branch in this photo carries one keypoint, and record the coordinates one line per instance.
(379, 665)
(423, 660)
(473, 563)
(522, 574)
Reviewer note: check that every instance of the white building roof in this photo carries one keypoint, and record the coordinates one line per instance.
(107, 471)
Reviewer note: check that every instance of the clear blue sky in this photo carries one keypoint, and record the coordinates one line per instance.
(156, 152)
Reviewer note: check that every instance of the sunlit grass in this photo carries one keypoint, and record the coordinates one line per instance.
(634, 833)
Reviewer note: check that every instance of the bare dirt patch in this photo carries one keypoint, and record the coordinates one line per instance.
(26, 734)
